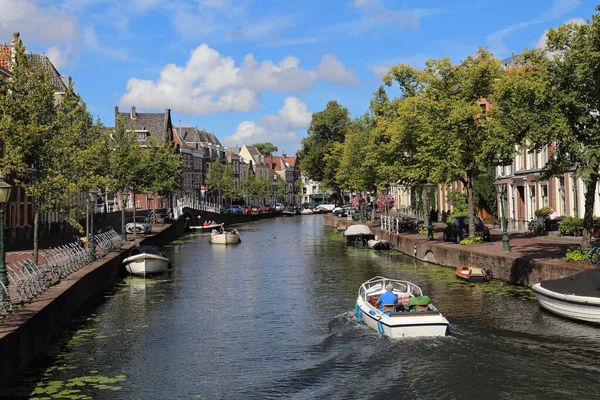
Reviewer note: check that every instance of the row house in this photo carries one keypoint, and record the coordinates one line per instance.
(286, 169)
(312, 191)
(19, 210)
(527, 192)
(192, 159)
(146, 125)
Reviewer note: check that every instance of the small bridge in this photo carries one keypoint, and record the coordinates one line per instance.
(192, 210)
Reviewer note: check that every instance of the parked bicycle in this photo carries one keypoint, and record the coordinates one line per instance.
(534, 227)
(593, 256)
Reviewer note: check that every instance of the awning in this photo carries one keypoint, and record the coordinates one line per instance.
(318, 196)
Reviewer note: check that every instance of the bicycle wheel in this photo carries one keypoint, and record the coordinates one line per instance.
(595, 256)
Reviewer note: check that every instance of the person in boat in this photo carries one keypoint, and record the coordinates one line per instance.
(388, 297)
(205, 223)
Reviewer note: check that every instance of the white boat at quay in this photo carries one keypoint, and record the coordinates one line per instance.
(358, 234)
(423, 320)
(306, 211)
(146, 260)
(378, 244)
(225, 237)
(575, 297)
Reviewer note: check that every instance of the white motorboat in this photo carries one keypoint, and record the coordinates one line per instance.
(306, 211)
(205, 228)
(358, 234)
(423, 319)
(225, 237)
(575, 297)
(146, 260)
(379, 244)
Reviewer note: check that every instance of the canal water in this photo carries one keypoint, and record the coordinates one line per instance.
(273, 318)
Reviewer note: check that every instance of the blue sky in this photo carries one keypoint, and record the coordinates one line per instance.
(254, 70)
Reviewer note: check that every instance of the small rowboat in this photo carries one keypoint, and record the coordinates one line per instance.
(225, 237)
(472, 274)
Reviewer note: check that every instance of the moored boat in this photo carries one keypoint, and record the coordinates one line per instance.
(358, 234)
(472, 274)
(575, 297)
(422, 319)
(205, 228)
(306, 211)
(379, 244)
(225, 237)
(146, 260)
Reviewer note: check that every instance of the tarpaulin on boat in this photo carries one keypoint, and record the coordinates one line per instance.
(585, 283)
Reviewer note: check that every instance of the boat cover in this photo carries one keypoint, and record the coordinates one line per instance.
(357, 230)
(418, 301)
(585, 283)
(155, 250)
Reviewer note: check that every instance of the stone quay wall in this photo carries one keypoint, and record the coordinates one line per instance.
(510, 267)
(27, 331)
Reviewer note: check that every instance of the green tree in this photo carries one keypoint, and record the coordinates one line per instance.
(28, 129)
(281, 190)
(554, 99)
(326, 128)
(267, 149)
(163, 167)
(248, 184)
(214, 180)
(228, 183)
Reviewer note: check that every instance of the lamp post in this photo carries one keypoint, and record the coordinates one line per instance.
(93, 193)
(428, 186)
(5, 190)
(501, 189)
(124, 197)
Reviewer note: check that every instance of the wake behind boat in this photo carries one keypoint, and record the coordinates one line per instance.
(146, 260)
(575, 297)
(225, 237)
(422, 319)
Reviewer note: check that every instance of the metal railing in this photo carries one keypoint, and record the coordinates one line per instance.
(28, 279)
(410, 213)
(398, 224)
(195, 205)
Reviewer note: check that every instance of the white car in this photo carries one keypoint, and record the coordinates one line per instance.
(142, 225)
(279, 207)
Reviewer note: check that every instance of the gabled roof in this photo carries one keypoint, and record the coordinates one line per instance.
(35, 60)
(156, 124)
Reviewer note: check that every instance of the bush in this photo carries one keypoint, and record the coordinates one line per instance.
(570, 226)
(542, 212)
(576, 254)
(423, 231)
(469, 241)
(457, 213)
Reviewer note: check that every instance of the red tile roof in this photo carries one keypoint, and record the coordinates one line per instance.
(5, 56)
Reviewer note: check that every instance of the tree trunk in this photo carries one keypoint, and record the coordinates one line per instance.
(470, 210)
(36, 222)
(134, 226)
(588, 215)
(122, 217)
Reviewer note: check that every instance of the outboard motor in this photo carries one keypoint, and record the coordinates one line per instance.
(489, 274)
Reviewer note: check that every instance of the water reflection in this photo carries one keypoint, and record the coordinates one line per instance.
(273, 317)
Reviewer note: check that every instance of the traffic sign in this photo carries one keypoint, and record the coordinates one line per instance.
(202, 188)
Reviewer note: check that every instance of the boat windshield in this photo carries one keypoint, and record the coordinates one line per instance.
(147, 250)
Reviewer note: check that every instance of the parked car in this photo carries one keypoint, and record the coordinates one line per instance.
(266, 208)
(236, 209)
(458, 228)
(245, 210)
(141, 225)
(279, 207)
(346, 210)
(255, 209)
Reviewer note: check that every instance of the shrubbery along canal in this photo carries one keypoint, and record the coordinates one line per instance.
(274, 317)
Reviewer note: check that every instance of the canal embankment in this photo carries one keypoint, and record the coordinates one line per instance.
(532, 259)
(28, 329)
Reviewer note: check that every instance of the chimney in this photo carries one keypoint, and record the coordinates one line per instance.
(116, 112)
(13, 50)
(133, 114)
(283, 155)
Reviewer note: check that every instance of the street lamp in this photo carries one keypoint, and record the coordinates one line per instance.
(428, 186)
(501, 189)
(93, 193)
(124, 197)
(5, 190)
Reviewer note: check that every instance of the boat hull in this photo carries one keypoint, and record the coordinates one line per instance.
(225, 238)
(573, 307)
(378, 244)
(471, 274)
(146, 264)
(405, 324)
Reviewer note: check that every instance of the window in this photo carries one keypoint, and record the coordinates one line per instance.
(532, 201)
(544, 195)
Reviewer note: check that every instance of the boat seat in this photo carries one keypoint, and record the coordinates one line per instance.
(389, 307)
(422, 308)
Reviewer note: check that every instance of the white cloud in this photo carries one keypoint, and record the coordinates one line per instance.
(541, 42)
(558, 8)
(46, 25)
(366, 3)
(282, 129)
(91, 40)
(332, 69)
(380, 70)
(59, 57)
(211, 83)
